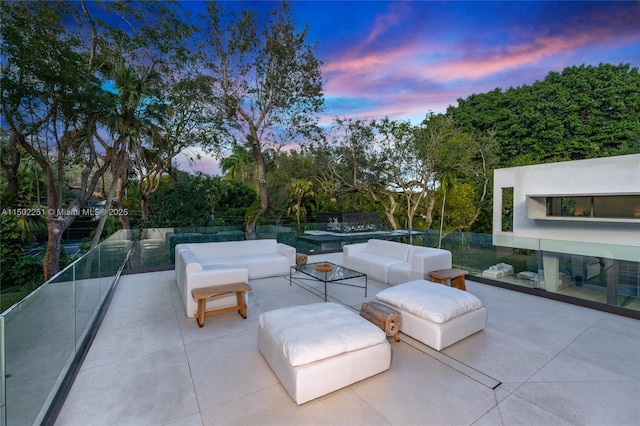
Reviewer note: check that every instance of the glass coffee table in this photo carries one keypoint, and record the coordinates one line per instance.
(337, 274)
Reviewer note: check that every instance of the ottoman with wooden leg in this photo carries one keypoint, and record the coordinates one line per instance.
(319, 348)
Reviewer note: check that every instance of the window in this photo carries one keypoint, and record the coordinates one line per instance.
(598, 206)
(507, 209)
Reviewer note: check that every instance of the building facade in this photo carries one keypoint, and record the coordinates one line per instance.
(582, 217)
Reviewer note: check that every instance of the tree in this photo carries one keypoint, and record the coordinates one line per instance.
(299, 189)
(175, 120)
(269, 84)
(50, 98)
(53, 98)
(239, 165)
(351, 169)
(219, 201)
(159, 102)
(404, 173)
(582, 112)
(447, 154)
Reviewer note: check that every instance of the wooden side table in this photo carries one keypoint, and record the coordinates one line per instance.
(456, 276)
(202, 294)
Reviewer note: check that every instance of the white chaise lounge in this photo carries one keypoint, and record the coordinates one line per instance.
(435, 314)
(319, 348)
(394, 263)
(500, 270)
(217, 263)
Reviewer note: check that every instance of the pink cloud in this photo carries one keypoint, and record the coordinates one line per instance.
(514, 56)
(385, 21)
(415, 75)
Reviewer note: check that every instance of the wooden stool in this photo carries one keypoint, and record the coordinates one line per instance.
(202, 294)
(385, 317)
(441, 276)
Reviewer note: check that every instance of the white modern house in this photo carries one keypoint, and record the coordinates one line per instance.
(584, 213)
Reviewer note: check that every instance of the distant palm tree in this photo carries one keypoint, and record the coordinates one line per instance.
(299, 188)
(234, 165)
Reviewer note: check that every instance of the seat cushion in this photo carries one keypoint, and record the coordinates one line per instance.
(434, 302)
(374, 265)
(401, 272)
(310, 333)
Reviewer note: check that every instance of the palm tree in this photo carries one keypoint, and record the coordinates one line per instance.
(124, 126)
(234, 166)
(299, 188)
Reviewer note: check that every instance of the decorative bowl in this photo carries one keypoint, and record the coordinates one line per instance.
(323, 267)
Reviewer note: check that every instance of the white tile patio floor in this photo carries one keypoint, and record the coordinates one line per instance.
(538, 362)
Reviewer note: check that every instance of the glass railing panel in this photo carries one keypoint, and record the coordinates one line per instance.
(89, 291)
(39, 344)
(3, 376)
(113, 251)
(610, 251)
(41, 334)
(602, 273)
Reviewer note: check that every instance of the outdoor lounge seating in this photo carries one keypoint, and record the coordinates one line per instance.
(319, 348)
(219, 263)
(434, 314)
(393, 263)
(500, 270)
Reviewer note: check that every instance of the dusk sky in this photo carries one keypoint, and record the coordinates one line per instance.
(403, 59)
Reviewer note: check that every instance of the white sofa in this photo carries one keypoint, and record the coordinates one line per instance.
(394, 263)
(217, 263)
(585, 267)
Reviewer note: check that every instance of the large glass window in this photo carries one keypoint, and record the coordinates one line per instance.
(605, 206)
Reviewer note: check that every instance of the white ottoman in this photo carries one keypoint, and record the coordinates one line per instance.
(319, 348)
(435, 314)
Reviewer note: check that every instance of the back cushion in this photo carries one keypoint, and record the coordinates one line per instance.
(437, 258)
(426, 250)
(388, 248)
(205, 251)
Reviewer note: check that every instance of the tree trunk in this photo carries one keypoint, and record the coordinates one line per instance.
(123, 218)
(444, 199)
(56, 225)
(103, 216)
(144, 205)
(428, 214)
(389, 211)
(262, 188)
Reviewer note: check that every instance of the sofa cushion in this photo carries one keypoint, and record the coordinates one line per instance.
(374, 265)
(400, 272)
(427, 259)
(310, 333)
(205, 252)
(258, 265)
(390, 249)
(434, 302)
